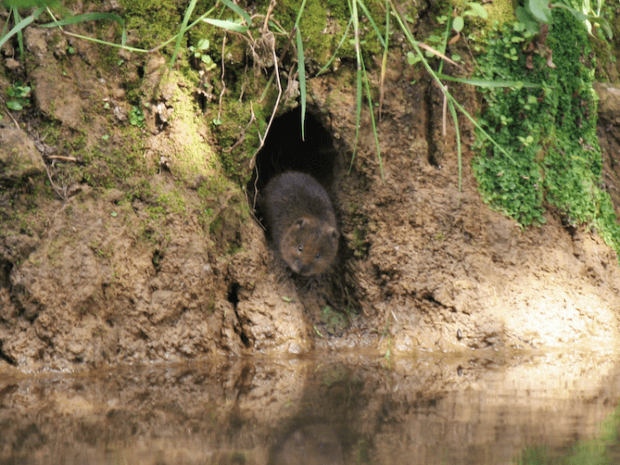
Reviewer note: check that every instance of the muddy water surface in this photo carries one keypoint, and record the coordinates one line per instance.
(483, 408)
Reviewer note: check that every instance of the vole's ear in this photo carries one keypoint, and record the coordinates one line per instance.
(301, 223)
(332, 232)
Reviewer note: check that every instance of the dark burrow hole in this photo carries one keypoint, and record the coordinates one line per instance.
(569, 225)
(5, 271)
(6, 358)
(284, 150)
(233, 294)
(233, 298)
(157, 258)
(429, 297)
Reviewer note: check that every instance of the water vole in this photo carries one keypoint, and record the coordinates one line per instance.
(301, 221)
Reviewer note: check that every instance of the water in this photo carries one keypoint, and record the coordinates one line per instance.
(485, 408)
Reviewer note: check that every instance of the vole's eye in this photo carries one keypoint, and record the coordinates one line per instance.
(318, 255)
(300, 248)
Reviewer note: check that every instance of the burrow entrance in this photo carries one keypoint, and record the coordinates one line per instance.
(284, 150)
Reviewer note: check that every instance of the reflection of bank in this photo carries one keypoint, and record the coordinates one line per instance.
(483, 408)
(309, 445)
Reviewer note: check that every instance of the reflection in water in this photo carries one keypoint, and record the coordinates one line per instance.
(348, 410)
(310, 445)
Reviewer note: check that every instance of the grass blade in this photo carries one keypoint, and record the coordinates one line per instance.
(86, 17)
(19, 25)
(384, 60)
(372, 22)
(459, 151)
(177, 47)
(20, 38)
(372, 120)
(444, 44)
(241, 12)
(358, 55)
(489, 84)
(28, 3)
(344, 36)
(301, 66)
(227, 25)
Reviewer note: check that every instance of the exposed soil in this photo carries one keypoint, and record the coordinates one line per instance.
(422, 266)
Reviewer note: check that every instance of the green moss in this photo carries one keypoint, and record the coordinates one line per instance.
(223, 218)
(174, 202)
(607, 50)
(196, 157)
(151, 22)
(50, 132)
(237, 140)
(321, 32)
(125, 159)
(548, 132)
(107, 162)
(499, 11)
(332, 321)
(141, 190)
(323, 24)
(21, 207)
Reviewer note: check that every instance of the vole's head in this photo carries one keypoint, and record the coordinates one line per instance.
(309, 247)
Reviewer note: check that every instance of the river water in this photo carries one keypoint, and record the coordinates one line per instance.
(477, 408)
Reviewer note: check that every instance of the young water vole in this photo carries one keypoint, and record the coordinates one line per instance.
(301, 222)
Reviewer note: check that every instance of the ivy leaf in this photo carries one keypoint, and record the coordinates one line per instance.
(478, 9)
(527, 20)
(14, 105)
(458, 24)
(539, 10)
(203, 44)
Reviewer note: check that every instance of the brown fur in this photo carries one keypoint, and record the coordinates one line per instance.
(301, 221)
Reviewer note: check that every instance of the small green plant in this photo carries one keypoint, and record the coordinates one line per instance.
(19, 96)
(199, 55)
(136, 117)
(475, 10)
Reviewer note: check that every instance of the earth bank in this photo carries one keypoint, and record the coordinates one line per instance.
(147, 251)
